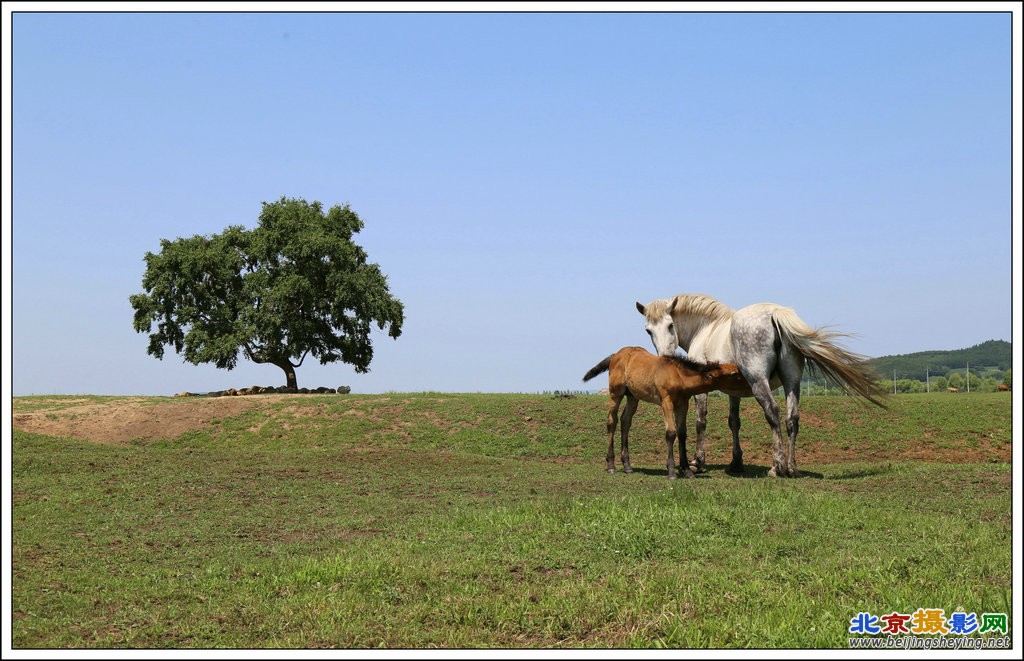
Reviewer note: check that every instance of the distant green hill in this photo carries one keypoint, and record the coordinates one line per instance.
(987, 356)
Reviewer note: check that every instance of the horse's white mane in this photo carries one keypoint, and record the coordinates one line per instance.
(698, 305)
(701, 305)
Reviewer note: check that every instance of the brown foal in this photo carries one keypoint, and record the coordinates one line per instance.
(669, 382)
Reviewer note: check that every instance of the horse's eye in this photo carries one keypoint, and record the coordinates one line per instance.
(671, 328)
(649, 332)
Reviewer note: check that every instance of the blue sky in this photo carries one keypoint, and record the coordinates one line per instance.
(524, 178)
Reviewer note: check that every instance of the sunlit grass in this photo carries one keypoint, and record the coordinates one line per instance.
(487, 521)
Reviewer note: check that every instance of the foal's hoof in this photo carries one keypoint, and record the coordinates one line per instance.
(688, 474)
(611, 471)
(735, 467)
(627, 469)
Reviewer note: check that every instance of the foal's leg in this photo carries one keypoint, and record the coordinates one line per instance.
(734, 426)
(613, 420)
(670, 435)
(627, 421)
(681, 407)
(763, 394)
(701, 408)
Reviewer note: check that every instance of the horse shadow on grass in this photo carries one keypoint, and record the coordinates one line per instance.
(749, 472)
(663, 472)
(752, 471)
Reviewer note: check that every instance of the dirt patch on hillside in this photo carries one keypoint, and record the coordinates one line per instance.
(120, 420)
(123, 420)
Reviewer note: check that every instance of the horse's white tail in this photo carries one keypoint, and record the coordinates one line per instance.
(845, 369)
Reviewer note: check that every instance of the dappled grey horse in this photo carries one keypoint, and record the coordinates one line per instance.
(770, 343)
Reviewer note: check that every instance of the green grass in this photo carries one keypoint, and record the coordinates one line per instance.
(431, 520)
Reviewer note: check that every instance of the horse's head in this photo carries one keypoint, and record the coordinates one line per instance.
(660, 326)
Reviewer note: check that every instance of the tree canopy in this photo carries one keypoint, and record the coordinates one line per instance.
(295, 285)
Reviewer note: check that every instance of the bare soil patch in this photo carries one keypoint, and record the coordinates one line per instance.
(123, 420)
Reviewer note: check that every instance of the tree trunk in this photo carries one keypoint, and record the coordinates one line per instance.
(289, 373)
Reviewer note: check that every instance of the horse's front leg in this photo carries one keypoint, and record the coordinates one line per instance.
(701, 408)
(734, 426)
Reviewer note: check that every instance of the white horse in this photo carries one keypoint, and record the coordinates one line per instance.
(769, 342)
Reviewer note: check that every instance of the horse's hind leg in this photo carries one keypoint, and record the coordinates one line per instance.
(791, 371)
(627, 421)
(792, 428)
(763, 394)
(615, 398)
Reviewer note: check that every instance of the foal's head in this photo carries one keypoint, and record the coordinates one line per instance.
(660, 325)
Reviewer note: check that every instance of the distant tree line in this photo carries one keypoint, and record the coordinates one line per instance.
(931, 371)
(981, 368)
(993, 355)
(984, 380)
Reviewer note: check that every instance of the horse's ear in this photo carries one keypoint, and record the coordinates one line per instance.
(641, 308)
(672, 306)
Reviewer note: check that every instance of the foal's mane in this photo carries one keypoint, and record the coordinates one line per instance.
(701, 368)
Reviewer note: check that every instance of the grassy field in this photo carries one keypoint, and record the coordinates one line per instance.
(476, 521)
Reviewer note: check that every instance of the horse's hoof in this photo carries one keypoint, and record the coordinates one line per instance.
(734, 468)
(772, 473)
(627, 469)
(611, 471)
(687, 474)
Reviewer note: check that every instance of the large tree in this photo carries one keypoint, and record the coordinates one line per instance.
(295, 285)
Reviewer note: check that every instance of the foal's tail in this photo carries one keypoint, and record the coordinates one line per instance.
(597, 369)
(844, 368)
